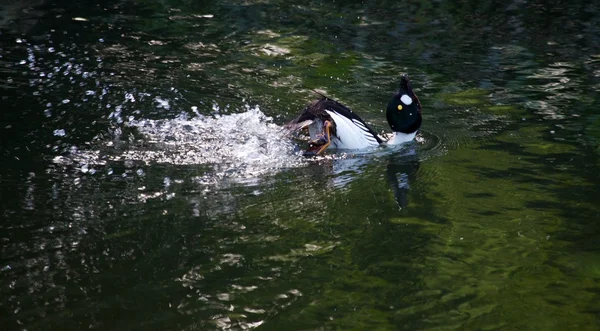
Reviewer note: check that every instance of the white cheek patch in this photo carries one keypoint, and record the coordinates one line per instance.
(406, 99)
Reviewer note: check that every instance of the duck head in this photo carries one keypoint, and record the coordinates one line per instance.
(404, 110)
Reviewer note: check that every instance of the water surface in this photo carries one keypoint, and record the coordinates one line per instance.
(147, 181)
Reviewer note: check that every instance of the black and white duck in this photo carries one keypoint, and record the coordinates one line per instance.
(331, 125)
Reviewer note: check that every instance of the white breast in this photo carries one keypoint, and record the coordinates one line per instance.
(351, 134)
(400, 138)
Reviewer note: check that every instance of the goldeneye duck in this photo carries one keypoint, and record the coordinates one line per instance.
(332, 125)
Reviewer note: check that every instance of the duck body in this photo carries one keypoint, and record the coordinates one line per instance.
(348, 130)
(331, 125)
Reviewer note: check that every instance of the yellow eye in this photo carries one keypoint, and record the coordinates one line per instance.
(399, 107)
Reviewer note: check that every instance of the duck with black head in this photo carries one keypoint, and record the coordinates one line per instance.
(331, 125)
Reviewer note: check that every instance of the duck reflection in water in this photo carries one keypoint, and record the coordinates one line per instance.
(401, 171)
(401, 168)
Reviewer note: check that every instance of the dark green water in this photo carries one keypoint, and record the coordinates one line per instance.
(146, 185)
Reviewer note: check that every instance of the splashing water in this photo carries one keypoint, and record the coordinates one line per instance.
(242, 146)
(239, 145)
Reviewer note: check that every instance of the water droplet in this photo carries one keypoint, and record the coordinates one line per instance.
(60, 132)
(162, 103)
(65, 101)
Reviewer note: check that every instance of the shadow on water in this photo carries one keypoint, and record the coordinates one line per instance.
(145, 184)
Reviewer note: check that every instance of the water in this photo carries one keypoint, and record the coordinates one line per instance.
(148, 181)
